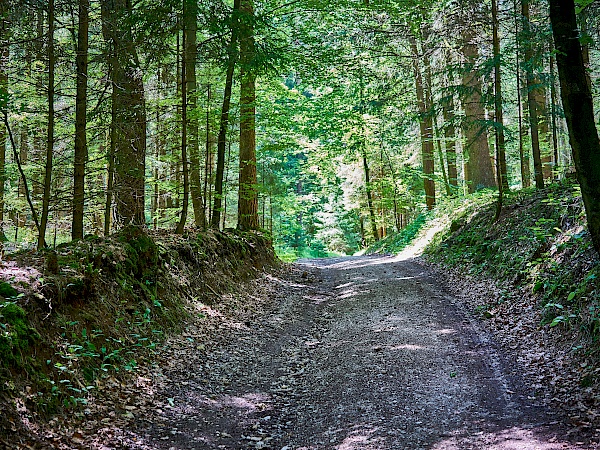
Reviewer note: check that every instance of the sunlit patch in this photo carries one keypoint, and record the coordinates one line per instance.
(446, 331)
(316, 299)
(408, 347)
(512, 439)
(362, 437)
(251, 402)
(341, 286)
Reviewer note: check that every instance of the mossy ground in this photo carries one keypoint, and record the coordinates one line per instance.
(104, 308)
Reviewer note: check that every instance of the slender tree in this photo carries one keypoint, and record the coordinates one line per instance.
(532, 99)
(450, 133)
(224, 120)
(426, 128)
(184, 129)
(81, 151)
(50, 131)
(4, 55)
(190, 45)
(502, 173)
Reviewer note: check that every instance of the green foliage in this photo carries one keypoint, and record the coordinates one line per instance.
(539, 246)
(397, 242)
(7, 291)
(16, 336)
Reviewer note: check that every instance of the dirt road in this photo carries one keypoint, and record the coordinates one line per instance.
(357, 353)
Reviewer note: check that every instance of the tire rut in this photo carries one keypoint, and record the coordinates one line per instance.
(358, 353)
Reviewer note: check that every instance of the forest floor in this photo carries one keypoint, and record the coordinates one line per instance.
(368, 352)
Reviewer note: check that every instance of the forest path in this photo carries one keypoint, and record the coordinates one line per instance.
(357, 353)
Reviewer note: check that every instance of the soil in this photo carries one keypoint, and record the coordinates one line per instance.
(366, 352)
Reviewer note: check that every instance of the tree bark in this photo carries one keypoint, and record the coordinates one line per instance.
(502, 174)
(247, 195)
(224, 121)
(50, 132)
(426, 128)
(190, 23)
(450, 138)
(553, 112)
(110, 165)
(184, 127)
(478, 166)
(130, 114)
(80, 158)
(579, 110)
(523, 156)
(4, 54)
(532, 103)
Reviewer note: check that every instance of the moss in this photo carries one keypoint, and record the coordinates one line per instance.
(7, 291)
(16, 335)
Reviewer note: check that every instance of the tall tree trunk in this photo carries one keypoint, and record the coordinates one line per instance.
(553, 111)
(478, 166)
(207, 156)
(543, 128)
(426, 128)
(502, 174)
(190, 23)
(369, 190)
(247, 195)
(579, 110)
(585, 46)
(130, 114)
(224, 121)
(110, 164)
(531, 98)
(4, 54)
(184, 128)
(523, 155)
(450, 137)
(80, 158)
(50, 135)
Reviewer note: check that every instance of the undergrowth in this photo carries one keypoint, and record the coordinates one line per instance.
(396, 242)
(96, 308)
(539, 247)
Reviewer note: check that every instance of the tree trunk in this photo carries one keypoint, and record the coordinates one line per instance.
(4, 54)
(478, 166)
(110, 165)
(553, 112)
(130, 114)
(224, 121)
(579, 110)
(207, 157)
(502, 174)
(369, 191)
(450, 138)
(184, 127)
(532, 99)
(50, 135)
(81, 62)
(426, 128)
(247, 195)
(523, 156)
(190, 23)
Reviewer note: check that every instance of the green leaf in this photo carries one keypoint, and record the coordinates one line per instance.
(557, 320)
(571, 296)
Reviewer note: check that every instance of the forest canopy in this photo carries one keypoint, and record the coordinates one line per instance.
(328, 124)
